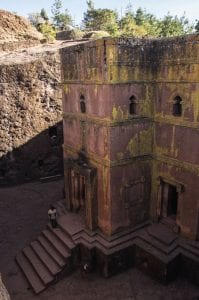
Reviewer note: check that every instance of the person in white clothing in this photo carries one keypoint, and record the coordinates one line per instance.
(52, 214)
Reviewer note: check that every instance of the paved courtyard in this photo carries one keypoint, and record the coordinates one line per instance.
(24, 214)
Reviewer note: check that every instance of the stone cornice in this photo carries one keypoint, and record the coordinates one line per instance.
(105, 121)
(94, 158)
(193, 168)
(170, 120)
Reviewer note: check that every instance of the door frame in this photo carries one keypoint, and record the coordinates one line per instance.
(90, 174)
(179, 188)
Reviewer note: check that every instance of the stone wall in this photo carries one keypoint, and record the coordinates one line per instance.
(30, 116)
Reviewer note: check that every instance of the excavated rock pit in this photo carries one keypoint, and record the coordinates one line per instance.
(30, 114)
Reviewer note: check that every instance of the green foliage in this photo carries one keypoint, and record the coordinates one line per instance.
(137, 23)
(100, 19)
(56, 10)
(48, 31)
(128, 27)
(197, 26)
(142, 23)
(40, 21)
(174, 26)
(60, 18)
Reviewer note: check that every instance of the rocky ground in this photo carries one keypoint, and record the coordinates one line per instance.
(27, 55)
(15, 28)
(24, 215)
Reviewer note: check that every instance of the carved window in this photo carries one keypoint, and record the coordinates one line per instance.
(177, 106)
(82, 104)
(132, 105)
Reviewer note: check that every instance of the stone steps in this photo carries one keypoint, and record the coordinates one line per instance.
(51, 251)
(162, 234)
(157, 244)
(62, 237)
(168, 222)
(38, 266)
(190, 249)
(46, 258)
(155, 252)
(56, 243)
(30, 274)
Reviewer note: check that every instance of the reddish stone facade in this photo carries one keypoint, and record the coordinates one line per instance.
(131, 139)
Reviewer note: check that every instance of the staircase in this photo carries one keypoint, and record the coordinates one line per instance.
(156, 249)
(47, 258)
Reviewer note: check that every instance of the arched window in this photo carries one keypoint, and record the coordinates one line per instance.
(82, 104)
(132, 105)
(177, 106)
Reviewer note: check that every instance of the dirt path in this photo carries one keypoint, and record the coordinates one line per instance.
(24, 214)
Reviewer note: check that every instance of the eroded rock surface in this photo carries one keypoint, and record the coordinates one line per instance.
(30, 114)
(16, 32)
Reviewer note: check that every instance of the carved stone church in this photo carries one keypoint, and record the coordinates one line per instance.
(131, 139)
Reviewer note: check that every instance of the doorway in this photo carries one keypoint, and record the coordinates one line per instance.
(77, 190)
(81, 190)
(169, 200)
(172, 201)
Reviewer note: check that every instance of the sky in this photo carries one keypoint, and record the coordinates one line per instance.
(78, 7)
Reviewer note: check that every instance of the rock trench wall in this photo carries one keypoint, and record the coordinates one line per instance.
(30, 119)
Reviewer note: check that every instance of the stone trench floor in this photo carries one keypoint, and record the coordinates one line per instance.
(24, 214)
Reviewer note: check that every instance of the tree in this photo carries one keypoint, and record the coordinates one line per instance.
(100, 19)
(38, 18)
(48, 31)
(89, 16)
(197, 26)
(44, 15)
(128, 27)
(60, 18)
(35, 19)
(64, 19)
(41, 22)
(136, 24)
(56, 11)
(142, 23)
(174, 26)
